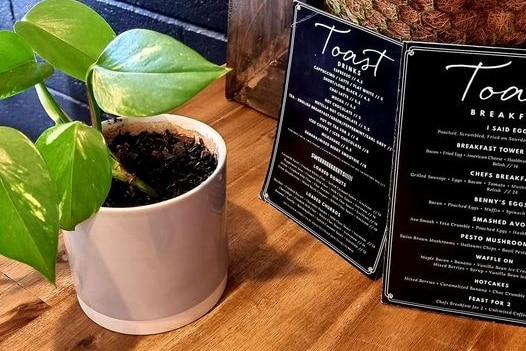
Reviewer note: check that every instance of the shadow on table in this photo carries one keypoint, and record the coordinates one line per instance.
(80, 333)
(251, 258)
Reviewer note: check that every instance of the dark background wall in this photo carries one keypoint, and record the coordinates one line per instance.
(201, 24)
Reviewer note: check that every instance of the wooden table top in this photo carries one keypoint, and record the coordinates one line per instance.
(285, 291)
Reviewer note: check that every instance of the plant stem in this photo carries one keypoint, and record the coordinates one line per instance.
(95, 112)
(120, 173)
(50, 105)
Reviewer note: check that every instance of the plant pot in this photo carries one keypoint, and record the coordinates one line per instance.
(151, 269)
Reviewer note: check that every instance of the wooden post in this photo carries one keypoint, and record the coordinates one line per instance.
(258, 38)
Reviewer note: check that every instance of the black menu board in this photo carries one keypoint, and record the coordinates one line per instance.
(331, 164)
(457, 241)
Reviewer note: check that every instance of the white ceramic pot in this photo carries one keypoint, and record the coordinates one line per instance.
(154, 268)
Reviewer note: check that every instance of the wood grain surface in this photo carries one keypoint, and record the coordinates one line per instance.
(286, 290)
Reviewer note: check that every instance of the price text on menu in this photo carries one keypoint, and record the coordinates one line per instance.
(331, 163)
(458, 226)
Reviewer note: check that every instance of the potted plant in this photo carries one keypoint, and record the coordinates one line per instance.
(142, 269)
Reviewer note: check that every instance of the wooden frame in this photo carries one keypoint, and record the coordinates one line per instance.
(258, 39)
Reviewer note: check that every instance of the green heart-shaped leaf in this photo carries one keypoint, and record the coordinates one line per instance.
(18, 68)
(28, 205)
(144, 73)
(13, 51)
(67, 34)
(79, 162)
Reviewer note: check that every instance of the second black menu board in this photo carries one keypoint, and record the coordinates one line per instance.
(458, 228)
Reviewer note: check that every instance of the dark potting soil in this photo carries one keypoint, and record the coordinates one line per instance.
(171, 163)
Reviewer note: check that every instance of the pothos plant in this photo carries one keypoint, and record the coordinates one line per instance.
(64, 177)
